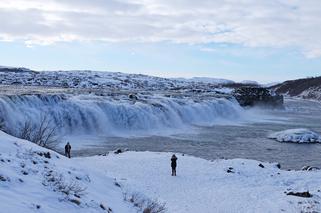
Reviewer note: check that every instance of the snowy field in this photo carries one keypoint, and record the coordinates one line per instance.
(30, 181)
(86, 79)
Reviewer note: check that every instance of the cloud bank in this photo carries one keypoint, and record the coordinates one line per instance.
(251, 23)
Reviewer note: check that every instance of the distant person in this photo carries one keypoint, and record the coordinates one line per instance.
(174, 164)
(67, 150)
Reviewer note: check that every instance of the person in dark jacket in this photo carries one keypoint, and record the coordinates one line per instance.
(173, 165)
(67, 150)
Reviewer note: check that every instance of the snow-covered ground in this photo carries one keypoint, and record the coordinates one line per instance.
(296, 136)
(206, 80)
(313, 93)
(32, 182)
(101, 80)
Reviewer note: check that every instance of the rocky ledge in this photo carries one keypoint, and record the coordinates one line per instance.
(253, 96)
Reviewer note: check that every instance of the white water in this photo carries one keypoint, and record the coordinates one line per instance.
(109, 117)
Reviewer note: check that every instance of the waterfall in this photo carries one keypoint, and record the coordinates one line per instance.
(89, 114)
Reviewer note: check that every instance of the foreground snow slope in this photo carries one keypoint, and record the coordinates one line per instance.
(28, 182)
(31, 182)
(205, 186)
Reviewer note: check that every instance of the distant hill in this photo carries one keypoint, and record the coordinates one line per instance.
(206, 80)
(14, 69)
(308, 88)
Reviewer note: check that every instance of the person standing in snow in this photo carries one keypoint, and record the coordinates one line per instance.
(173, 164)
(67, 150)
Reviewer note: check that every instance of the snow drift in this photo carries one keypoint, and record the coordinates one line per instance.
(296, 136)
(33, 182)
(90, 114)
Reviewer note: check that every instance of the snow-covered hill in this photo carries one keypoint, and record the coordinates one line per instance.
(31, 180)
(307, 88)
(206, 80)
(100, 80)
(34, 179)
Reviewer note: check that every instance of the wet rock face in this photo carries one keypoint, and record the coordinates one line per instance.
(253, 96)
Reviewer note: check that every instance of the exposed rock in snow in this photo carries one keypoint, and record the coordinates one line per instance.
(300, 194)
(310, 168)
(313, 93)
(251, 96)
(296, 136)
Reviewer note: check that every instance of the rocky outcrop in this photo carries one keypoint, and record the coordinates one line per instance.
(253, 96)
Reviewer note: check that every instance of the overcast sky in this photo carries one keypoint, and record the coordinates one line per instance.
(264, 40)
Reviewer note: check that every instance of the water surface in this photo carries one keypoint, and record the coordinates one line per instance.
(233, 140)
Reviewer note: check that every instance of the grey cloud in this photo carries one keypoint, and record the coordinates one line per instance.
(275, 23)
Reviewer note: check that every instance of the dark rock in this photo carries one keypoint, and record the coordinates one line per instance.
(102, 206)
(117, 184)
(118, 151)
(24, 172)
(47, 155)
(230, 170)
(132, 97)
(278, 165)
(261, 165)
(300, 194)
(310, 168)
(2, 178)
(252, 96)
(75, 201)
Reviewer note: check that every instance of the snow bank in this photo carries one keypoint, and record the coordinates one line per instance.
(212, 186)
(33, 182)
(28, 177)
(296, 136)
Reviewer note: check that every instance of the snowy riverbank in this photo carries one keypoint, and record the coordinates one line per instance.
(29, 182)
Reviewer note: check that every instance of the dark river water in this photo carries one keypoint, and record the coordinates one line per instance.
(248, 140)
